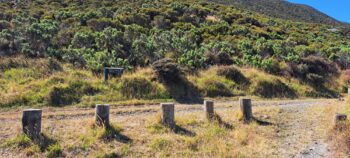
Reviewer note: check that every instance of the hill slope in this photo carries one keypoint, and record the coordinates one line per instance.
(77, 39)
(285, 10)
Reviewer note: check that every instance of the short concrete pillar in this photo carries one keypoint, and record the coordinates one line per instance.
(31, 122)
(246, 108)
(102, 114)
(167, 114)
(209, 109)
(340, 117)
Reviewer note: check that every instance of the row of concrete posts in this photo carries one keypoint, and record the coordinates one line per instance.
(31, 118)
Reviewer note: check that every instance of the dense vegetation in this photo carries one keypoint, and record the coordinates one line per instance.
(95, 34)
(285, 10)
(41, 41)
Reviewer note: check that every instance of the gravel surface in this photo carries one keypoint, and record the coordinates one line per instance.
(302, 130)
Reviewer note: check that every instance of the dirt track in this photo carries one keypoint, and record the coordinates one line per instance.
(302, 124)
(303, 130)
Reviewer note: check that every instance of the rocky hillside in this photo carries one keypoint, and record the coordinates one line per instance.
(285, 10)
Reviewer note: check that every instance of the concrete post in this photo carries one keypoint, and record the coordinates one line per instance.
(167, 114)
(340, 118)
(246, 108)
(102, 115)
(209, 109)
(31, 122)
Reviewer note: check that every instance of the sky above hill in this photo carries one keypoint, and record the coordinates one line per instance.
(338, 9)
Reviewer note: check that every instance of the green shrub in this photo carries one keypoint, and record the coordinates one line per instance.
(192, 59)
(218, 53)
(313, 70)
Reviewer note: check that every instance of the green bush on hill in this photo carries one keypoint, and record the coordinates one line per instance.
(53, 53)
(193, 34)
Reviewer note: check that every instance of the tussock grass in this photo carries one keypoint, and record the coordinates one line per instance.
(43, 144)
(46, 82)
(54, 150)
(211, 138)
(21, 141)
(142, 88)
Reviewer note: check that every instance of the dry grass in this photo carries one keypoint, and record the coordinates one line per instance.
(340, 133)
(41, 82)
(142, 135)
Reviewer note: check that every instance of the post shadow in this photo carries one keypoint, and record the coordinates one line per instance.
(217, 119)
(114, 134)
(183, 131)
(262, 122)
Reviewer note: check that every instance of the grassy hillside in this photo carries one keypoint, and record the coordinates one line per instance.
(46, 82)
(53, 53)
(285, 10)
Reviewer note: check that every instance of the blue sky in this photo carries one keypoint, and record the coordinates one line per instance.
(338, 9)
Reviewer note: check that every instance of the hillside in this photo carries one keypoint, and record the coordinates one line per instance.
(166, 47)
(196, 35)
(285, 10)
(53, 54)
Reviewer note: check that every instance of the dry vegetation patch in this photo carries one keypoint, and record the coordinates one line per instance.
(192, 137)
(340, 133)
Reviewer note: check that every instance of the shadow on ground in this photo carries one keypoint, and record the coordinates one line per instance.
(262, 122)
(44, 141)
(112, 133)
(217, 119)
(182, 131)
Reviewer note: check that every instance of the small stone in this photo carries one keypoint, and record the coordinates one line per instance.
(340, 118)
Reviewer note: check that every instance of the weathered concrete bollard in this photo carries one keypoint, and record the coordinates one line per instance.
(209, 109)
(31, 122)
(340, 118)
(102, 114)
(167, 114)
(246, 108)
